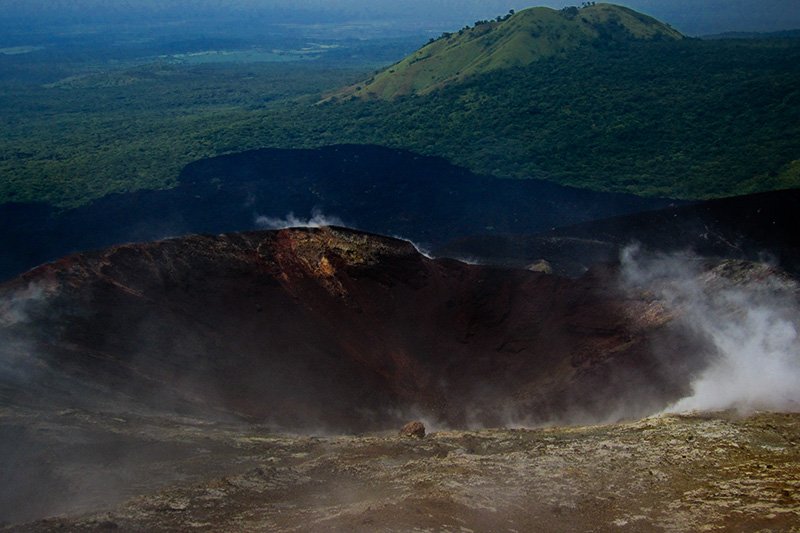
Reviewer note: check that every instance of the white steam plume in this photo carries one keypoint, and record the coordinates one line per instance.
(17, 364)
(749, 313)
(758, 368)
(423, 250)
(317, 220)
(14, 307)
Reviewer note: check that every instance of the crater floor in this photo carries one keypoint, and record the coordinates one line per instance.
(666, 473)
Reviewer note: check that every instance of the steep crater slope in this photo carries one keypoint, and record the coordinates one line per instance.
(335, 329)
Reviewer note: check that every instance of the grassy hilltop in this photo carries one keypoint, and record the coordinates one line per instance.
(513, 41)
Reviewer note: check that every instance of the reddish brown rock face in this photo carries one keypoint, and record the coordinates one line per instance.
(415, 429)
(331, 328)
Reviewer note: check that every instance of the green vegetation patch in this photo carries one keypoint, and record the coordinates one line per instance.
(114, 130)
(687, 119)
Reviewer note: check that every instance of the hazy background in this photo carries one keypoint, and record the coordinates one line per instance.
(694, 17)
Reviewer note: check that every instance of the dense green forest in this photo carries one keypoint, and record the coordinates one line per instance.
(116, 130)
(689, 119)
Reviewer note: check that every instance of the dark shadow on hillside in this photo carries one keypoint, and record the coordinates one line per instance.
(377, 189)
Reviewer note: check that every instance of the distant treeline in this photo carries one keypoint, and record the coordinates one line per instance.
(691, 119)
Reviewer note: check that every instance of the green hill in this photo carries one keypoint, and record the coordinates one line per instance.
(516, 40)
(681, 118)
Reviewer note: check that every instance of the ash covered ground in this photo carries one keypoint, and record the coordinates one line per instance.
(715, 472)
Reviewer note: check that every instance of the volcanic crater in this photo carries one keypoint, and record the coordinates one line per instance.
(182, 371)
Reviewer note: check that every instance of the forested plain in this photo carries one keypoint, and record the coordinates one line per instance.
(687, 119)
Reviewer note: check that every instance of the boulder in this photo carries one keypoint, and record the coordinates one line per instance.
(415, 429)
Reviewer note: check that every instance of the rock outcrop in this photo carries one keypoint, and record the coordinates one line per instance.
(415, 429)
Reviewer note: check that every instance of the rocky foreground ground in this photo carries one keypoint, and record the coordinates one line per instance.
(666, 473)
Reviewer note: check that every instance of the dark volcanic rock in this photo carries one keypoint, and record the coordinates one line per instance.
(756, 227)
(331, 328)
(377, 189)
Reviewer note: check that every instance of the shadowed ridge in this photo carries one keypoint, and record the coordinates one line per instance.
(754, 227)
